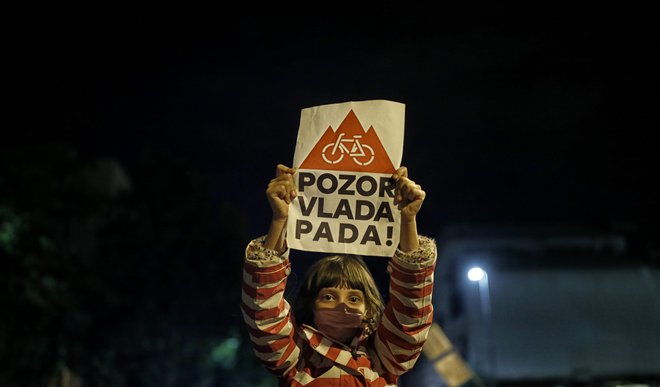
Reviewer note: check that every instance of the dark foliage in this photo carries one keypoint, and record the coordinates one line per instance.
(131, 283)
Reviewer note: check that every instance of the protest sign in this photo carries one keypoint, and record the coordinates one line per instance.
(345, 156)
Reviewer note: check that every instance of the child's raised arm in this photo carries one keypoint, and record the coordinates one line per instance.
(280, 192)
(265, 272)
(409, 197)
(409, 313)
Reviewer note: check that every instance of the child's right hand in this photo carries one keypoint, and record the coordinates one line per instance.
(281, 191)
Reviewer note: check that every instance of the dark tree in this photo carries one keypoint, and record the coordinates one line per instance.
(126, 279)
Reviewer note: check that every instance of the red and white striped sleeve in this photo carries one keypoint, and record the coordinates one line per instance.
(265, 311)
(409, 313)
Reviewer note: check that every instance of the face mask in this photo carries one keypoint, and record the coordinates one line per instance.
(339, 323)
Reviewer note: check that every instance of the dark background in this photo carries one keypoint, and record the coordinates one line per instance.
(515, 114)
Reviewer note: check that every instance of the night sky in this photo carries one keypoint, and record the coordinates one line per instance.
(515, 114)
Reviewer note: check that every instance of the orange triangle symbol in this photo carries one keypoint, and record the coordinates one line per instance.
(349, 148)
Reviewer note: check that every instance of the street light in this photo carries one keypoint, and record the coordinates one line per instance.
(479, 275)
(476, 274)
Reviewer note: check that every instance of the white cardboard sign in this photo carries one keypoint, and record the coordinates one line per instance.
(345, 156)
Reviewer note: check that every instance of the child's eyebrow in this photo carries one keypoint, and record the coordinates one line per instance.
(334, 290)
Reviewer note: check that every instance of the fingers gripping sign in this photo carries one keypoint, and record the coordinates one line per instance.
(409, 196)
(281, 191)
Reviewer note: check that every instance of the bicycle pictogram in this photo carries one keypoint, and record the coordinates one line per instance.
(362, 154)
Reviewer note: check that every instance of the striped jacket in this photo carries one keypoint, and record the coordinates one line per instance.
(303, 356)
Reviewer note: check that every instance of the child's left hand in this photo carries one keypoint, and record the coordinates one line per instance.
(408, 195)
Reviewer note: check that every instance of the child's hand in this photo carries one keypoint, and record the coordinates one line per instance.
(408, 195)
(281, 191)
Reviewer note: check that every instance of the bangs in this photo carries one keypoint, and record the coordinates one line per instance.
(342, 272)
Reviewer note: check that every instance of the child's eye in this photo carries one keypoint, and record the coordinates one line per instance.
(327, 297)
(354, 299)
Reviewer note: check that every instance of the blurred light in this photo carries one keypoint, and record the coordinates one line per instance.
(476, 274)
(225, 352)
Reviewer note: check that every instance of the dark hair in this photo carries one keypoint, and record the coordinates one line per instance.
(342, 271)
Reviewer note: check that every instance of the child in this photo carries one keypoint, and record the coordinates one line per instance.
(340, 333)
